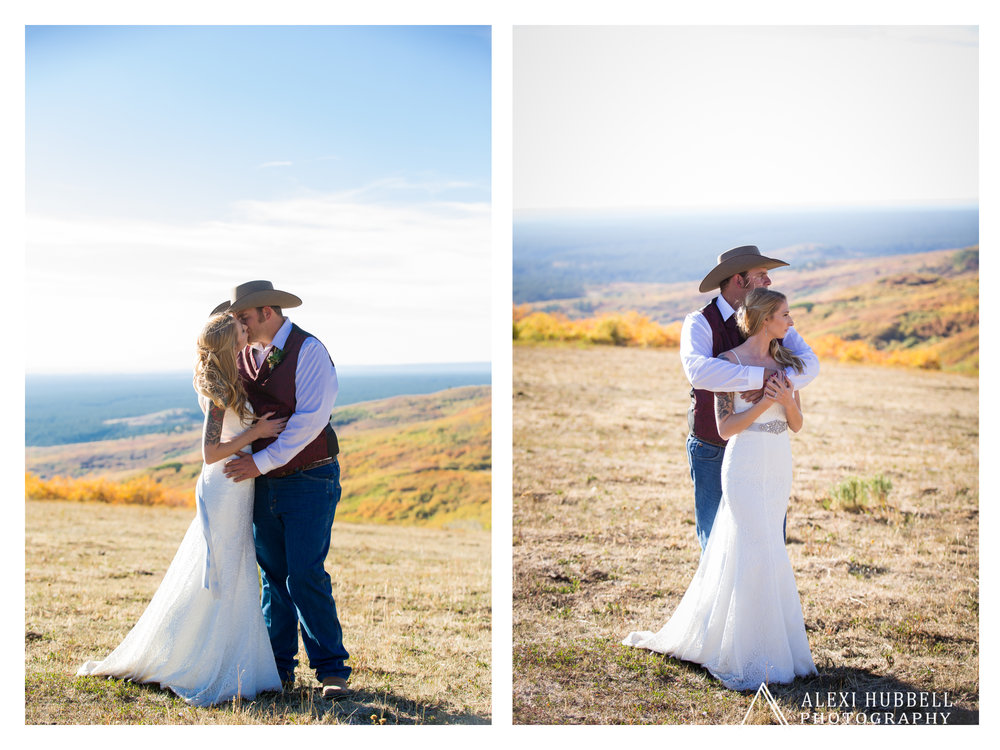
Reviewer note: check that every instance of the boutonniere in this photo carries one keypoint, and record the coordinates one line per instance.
(275, 357)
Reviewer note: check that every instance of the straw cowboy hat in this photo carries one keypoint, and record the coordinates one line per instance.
(256, 294)
(736, 261)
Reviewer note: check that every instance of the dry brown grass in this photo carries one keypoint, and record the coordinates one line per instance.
(603, 535)
(414, 603)
(113, 459)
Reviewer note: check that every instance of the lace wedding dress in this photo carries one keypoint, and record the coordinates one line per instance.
(741, 617)
(203, 635)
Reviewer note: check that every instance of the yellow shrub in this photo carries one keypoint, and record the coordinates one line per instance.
(140, 490)
(834, 347)
(634, 329)
(539, 326)
(618, 329)
(925, 359)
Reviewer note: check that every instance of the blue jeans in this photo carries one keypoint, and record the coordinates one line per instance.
(705, 461)
(292, 517)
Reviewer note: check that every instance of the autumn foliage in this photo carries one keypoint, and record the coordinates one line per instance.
(141, 490)
(834, 347)
(433, 472)
(917, 311)
(634, 329)
(421, 460)
(618, 329)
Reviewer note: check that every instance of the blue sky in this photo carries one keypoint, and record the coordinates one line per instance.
(348, 165)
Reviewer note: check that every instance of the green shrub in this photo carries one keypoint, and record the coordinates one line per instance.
(855, 495)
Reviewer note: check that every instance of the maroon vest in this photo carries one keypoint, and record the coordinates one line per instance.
(701, 415)
(274, 390)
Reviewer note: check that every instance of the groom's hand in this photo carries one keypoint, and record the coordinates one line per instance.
(242, 468)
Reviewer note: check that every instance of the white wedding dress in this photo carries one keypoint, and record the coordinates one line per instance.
(741, 617)
(203, 634)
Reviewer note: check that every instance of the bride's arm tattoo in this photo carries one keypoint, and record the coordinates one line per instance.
(213, 427)
(213, 447)
(723, 405)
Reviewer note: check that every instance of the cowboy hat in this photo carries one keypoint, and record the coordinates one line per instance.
(736, 261)
(256, 294)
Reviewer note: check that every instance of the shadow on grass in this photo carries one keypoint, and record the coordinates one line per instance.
(847, 695)
(363, 707)
(102, 700)
(599, 681)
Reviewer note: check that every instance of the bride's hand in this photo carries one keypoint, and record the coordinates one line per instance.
(265, 427)
(779, 389)
(755, 396)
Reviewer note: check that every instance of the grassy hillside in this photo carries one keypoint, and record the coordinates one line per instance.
(932, 304)
(604, 543)
(421, 460)
(925, 305)
(433, 470)
(113, 459)
(414, 604)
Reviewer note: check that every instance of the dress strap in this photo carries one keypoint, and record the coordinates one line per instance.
(737, 357)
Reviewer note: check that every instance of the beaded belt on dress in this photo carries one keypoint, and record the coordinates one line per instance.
(775, 428)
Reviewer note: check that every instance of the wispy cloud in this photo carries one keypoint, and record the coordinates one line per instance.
(268, 164)
(393, 188)
(381, 283)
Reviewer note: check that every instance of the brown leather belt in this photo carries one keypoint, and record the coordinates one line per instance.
(709, 442)
(313, 465)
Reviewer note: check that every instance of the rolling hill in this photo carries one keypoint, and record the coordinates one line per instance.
(422, 460)
(926, 302)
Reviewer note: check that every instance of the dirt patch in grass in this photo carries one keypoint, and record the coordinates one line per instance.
(604, 543)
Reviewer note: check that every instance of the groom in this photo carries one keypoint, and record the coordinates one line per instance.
(297, 482)
(706, 333)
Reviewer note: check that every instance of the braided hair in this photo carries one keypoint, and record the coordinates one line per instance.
(216, 376)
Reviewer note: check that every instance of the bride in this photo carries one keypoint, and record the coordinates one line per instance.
(203, 635)
(740, 617)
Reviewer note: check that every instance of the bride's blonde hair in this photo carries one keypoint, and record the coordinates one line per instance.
(216, 376)
(760, 304)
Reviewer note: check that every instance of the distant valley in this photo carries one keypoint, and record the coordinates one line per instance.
(62, 409)
(567, 256)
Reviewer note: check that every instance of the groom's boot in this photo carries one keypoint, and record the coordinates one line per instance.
(335, 689)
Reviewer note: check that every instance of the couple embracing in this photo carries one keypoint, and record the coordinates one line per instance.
(741, 617)
(266, 496)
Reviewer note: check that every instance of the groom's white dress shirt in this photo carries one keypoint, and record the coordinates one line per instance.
(315, 393)
(708, 373)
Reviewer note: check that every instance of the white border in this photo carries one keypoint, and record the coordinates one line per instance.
(502, 16)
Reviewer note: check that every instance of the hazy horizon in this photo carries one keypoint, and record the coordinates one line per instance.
(82, 407)
(414, 367)
(750, 209)
(558, 254)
